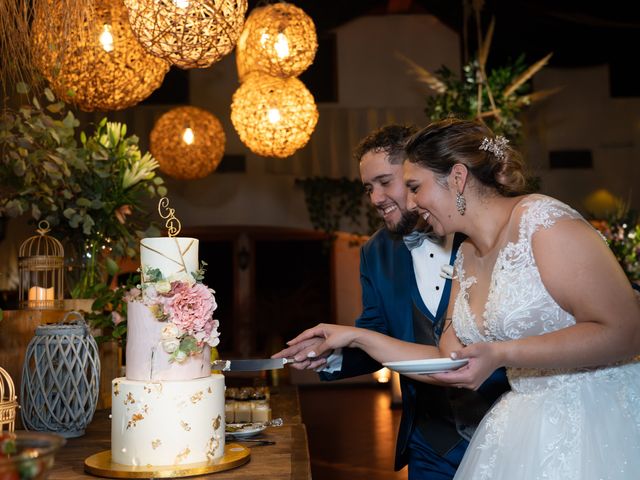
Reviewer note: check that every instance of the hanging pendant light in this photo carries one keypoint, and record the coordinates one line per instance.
(187, 33)
(102, 66)
(188, 143)
(273, 116)
(278, 39)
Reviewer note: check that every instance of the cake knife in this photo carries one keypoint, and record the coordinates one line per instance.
(250, 364)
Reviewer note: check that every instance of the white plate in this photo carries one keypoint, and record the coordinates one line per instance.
(244, 430)
(430, 365)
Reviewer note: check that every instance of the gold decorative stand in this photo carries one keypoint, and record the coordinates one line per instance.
(100, 464)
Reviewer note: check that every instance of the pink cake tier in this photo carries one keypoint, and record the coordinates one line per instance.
(146, 359)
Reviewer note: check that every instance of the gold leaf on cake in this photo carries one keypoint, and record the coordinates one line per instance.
(116, 388)
(182, 455)
(209, 390)
(212, 446)
(216, 422)
(135, 418)
(185, 425)
(129, 399)
(196, 397)
(156, 443)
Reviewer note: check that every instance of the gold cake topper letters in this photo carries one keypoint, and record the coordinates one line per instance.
(172, 224)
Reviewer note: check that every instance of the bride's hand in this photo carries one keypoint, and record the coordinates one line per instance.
(331, 337)
(309, 345)
(484, 359)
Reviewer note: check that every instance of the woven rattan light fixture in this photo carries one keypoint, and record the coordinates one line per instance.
(187, 33)
(278, 39)
(105, 65)
(273, 116)
(188, 143)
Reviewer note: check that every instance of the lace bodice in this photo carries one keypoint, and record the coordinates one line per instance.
(518, 305)
(549, 413)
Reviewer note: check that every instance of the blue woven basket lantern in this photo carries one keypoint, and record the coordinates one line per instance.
(60, 378)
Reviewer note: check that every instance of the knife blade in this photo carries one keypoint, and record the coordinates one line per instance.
(250, 364)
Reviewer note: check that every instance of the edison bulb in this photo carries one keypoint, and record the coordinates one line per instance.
(106, 39)
(187, 136)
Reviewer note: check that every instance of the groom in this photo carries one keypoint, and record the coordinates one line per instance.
(405, 296)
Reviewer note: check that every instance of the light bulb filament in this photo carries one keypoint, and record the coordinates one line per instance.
(187, 136)
(273, 115)
(281, 46)
(106, 39)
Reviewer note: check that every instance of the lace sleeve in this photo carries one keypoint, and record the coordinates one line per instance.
(544, 212)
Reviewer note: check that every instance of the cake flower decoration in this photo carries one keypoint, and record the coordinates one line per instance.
(187, 307)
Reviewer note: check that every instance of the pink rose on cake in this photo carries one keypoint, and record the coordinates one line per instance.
(186, 305)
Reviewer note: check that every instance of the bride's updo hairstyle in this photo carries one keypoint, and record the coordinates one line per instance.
(489, 159)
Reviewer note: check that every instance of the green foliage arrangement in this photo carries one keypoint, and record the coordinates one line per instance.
(91, 191)
(495, 97)
(338, 204)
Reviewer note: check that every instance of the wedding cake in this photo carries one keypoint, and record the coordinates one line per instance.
(169, 410)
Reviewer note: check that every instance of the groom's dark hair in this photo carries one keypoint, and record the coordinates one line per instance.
(389, 139)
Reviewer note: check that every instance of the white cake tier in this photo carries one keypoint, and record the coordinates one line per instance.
(147, 360)
(172, 255)
(167, 423)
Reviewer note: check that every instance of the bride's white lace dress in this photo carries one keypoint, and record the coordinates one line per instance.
(570, 424)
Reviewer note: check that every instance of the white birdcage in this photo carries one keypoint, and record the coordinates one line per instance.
(40, 268)
(8, 402)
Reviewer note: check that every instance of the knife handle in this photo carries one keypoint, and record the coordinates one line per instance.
(222, 365)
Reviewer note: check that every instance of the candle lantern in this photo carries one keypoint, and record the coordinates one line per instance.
(8, 402)
(40, 268)
(60, 378)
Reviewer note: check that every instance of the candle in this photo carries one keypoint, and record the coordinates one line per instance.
(37, 295)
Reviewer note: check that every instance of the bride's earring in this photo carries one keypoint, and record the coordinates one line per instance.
(461, 203)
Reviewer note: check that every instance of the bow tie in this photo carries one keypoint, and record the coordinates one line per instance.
(414, 239)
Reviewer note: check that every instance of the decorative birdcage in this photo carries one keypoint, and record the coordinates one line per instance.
(60, 378)
(8, 401)
(40, 268)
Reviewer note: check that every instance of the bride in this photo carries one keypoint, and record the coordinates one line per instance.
(536, 290)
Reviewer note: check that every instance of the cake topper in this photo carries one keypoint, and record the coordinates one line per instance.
(172, 224)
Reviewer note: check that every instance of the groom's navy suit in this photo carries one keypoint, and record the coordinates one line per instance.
(391, 301)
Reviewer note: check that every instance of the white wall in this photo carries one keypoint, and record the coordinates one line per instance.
(583, 116)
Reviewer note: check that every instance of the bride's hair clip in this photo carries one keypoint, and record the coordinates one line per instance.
(497, 146)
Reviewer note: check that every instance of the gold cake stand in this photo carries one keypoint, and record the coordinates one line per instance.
(100, 464)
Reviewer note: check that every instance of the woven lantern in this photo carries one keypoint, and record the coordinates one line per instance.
(103, 63)
(40, 270)
(278, 39)
(273, 116)
(187, 142)
(8, 402)
(60, 378)
(187, 33)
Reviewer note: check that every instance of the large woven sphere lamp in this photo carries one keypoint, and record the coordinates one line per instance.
(278, 39)
(187, 142)
(103, 67)
(187, 33)
(273, 116)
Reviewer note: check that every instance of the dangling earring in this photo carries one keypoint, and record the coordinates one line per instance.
(461, 203)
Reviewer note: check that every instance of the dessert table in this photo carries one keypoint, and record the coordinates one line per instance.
(288, 458)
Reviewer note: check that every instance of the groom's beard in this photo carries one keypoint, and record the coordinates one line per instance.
(406, 225)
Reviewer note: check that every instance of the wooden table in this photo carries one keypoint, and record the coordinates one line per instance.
(287, 459)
